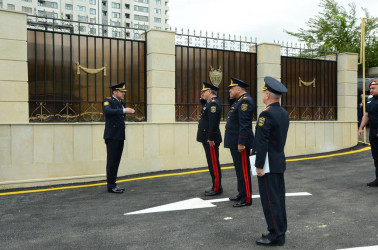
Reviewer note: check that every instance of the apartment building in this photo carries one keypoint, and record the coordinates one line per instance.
(139, 14)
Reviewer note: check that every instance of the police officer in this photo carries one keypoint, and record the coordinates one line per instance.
(209, 135)
(271, 132)
(239, 137)
(371, 117)
(115, 112)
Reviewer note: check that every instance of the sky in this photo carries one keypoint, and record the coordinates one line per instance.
(265, 20)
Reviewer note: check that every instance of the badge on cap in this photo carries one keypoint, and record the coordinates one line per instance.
(213, 109)
(244, 106)
(261, 121)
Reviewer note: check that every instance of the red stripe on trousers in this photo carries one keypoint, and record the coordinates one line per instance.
(215, 168)
(245, 171)
(270, 207)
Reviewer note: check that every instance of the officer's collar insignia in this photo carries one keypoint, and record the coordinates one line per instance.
(244, 106)
(261, 121)
(106, 103)
(267, 108)
(213, 109)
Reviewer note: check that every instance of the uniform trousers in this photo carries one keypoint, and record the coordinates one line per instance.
(272, 195)
(114, 149)
(374, 151)
(212, 156)
(243, 174)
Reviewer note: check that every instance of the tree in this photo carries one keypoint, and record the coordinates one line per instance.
(335, 28)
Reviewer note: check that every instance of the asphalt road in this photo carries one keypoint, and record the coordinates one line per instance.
(342, 211)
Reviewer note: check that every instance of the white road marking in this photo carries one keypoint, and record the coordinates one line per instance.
(195, 203)
(361, 248)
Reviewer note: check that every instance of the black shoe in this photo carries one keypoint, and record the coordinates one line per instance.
(373, 183)
(115, 190)
(264, 236)
(235, 198)
(121, 188)
(242, 204)
(209, 190)
(266, 242)
(212, 193)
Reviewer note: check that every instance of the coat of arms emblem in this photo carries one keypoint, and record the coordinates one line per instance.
(215, 76)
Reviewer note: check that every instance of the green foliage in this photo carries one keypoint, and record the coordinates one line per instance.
(338, 29)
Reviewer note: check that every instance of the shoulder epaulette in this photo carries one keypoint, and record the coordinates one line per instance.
(267, 108)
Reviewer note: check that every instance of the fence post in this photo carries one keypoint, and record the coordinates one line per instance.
(160, 76)
(268, 64)
(347, 87)
(14, 94)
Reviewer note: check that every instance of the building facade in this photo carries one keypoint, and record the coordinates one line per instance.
(135, 14)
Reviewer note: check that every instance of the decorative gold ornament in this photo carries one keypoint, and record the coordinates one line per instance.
(90, 71)
(215, 76)
(306, 83)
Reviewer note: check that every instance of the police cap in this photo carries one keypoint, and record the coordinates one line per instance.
(207, 86)
(274, 86)
(237, 82)
(119, 86)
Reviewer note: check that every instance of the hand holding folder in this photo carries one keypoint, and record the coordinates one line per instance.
(252, 160)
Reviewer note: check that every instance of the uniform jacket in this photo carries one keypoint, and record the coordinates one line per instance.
(372, 110)
(271, 133)
(114, 119)
(239, 123)
(208, 125)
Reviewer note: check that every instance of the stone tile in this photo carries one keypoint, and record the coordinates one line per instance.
(63, 144)
(82, 142)
(43, 143)
(22, 144)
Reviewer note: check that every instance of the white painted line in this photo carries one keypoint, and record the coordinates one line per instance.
(361, 248)
(195, 203)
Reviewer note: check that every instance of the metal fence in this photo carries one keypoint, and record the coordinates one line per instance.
(311, 78)
(194, 57)
(70, 69)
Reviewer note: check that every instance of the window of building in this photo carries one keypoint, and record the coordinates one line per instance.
(104, 3)
(68, 16)
(127, 34)
(104, 13)
(81, 1)
(47, 14)
(116, 34)
(136, 36)
(81, 8)
(157, 27)
(127, 6)
(141, 18)
(127, 25)
(116, 5)
(116, 15)
(141, 1)
(166, 3)
(92, 20)
(82, 18)
(28, 1)
(140, 8)
(157, 11)
(158, 2)
(48, 4)
(69, 6)
(82, 28)
(92, 11)
(27, 9)
(93, 2)
(53, 5)
(166, 20)
(157, 20)
(92, 31)
(116, 23)
(11, 7)
(127, 15)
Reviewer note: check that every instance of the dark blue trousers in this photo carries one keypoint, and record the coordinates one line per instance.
(114, 149)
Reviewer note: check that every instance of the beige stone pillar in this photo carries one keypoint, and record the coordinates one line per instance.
(268, 64)
(160, 76)
(14, 95)
(347, 87)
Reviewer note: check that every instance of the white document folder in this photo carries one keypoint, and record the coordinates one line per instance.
(252, 160)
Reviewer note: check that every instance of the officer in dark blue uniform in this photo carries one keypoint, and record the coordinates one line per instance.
(209, 135)
(271, 132)
(371, 117)
(115, 112)
(239, 137)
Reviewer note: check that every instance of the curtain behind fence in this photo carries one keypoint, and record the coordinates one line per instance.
(57, 93)
(192, 68)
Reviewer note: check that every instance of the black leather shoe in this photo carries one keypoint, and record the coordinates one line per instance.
(266, 242)
(212, 193)
(115, 190)
(241, 204)
(373, 183)
(235, 198)
(121, 188)
(263, 236)
(209, 190)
